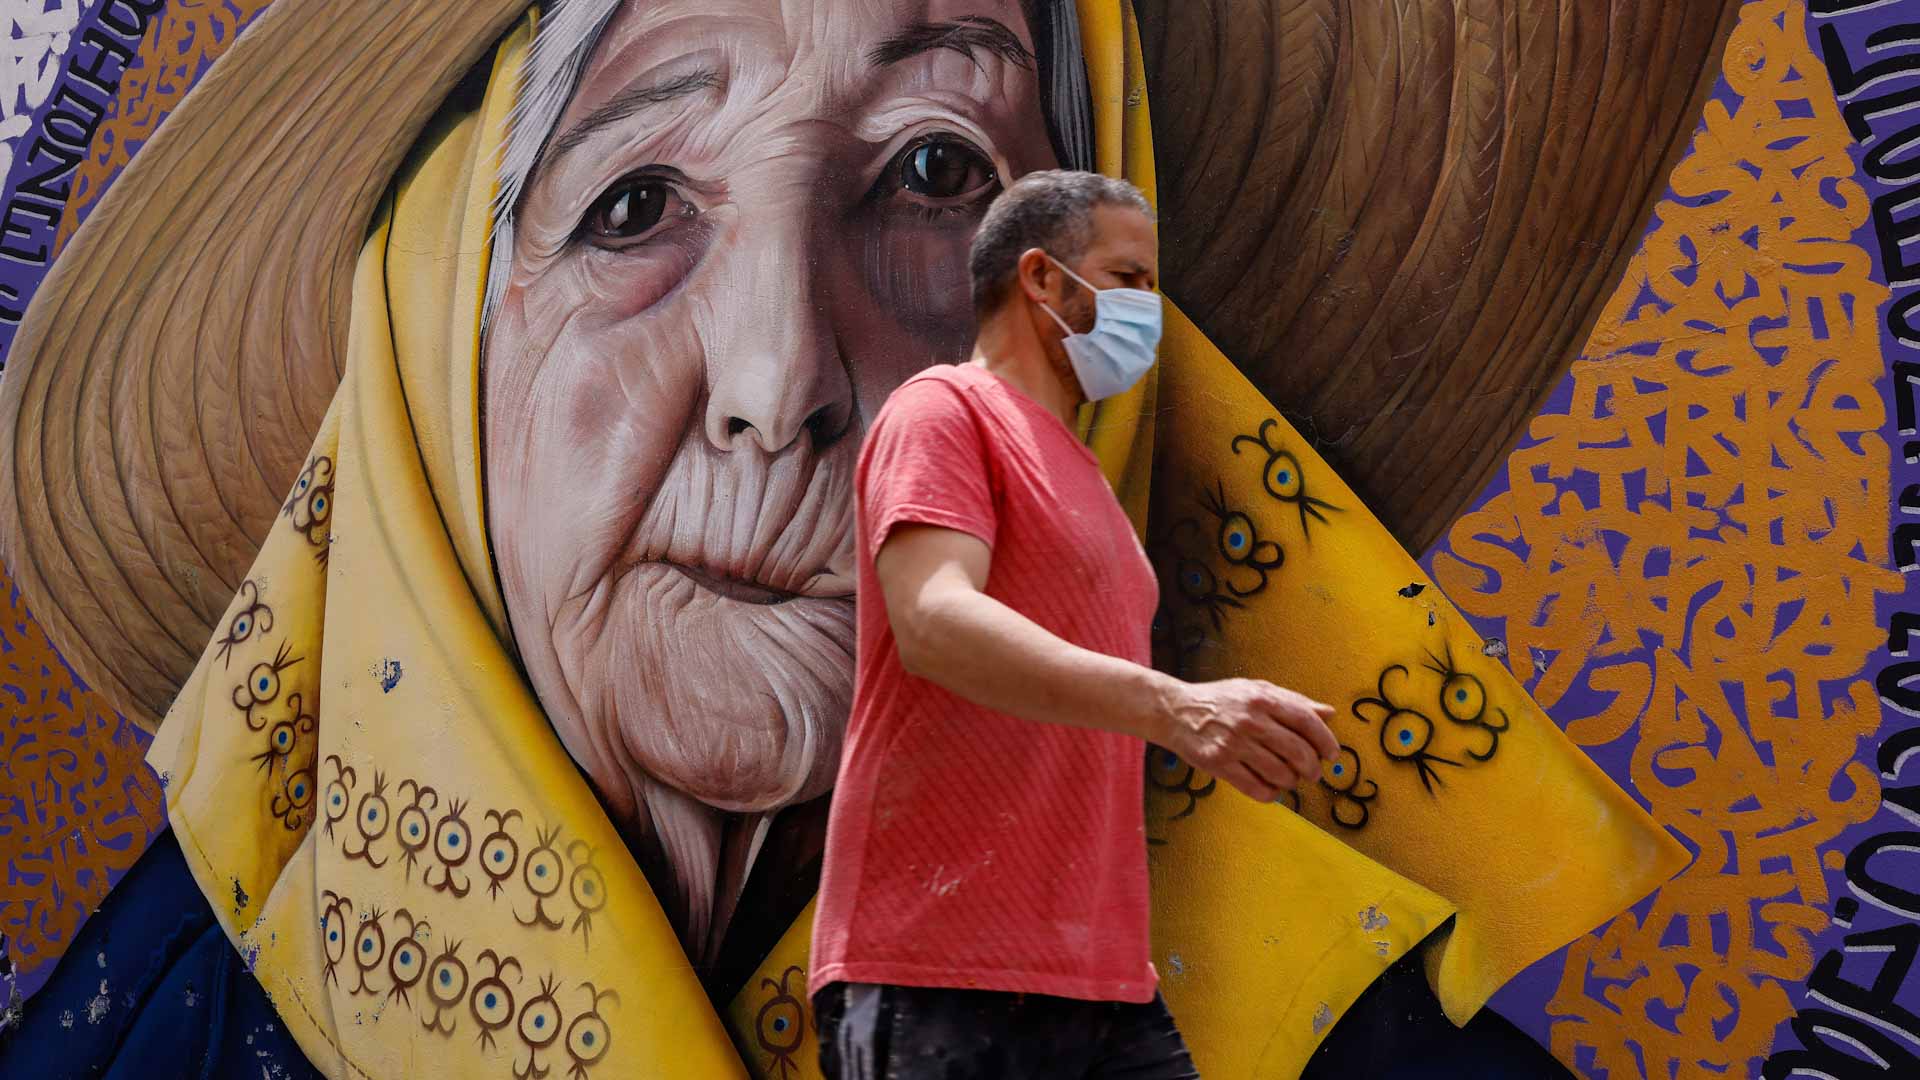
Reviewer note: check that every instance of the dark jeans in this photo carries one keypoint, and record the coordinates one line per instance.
(915, 1033)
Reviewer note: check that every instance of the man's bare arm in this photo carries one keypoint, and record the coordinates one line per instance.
(1259, 737)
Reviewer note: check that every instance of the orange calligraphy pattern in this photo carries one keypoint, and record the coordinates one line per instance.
(77, 801)
(1686, 563)
(180, 44)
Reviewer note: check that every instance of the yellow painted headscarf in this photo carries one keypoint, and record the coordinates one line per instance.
(368, 792)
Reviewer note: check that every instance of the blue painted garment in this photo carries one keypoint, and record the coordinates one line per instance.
(151, 987)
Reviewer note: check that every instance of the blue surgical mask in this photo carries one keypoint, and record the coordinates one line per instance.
(1119, 349)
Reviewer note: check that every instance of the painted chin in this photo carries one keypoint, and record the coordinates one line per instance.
(732, 691)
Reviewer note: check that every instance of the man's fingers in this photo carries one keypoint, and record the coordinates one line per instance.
(1280, 741)
(1281, 768)
(1256, 786)
(1272, 734)
(1252, 788)
(1310, 725)
(1314, 729)
(1304, 717)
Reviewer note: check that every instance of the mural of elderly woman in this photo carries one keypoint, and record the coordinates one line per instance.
(508, 748)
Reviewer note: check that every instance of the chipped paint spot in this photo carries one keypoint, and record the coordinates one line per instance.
(389, 675)
(1322, 1018)
(10, 1015)
(1383, 948)
(1413, 589)
(1494, 647)
(192, 998)
(100, 958)
(1373, 918)
(66, 1018)
(239, 898)
(1176, 965)
(97, 1008)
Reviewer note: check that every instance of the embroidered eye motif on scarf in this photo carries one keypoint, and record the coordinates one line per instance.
(1351, 792)
(1406, 734)
(310, 507)
(1284, 479)
(781, 1025)
(452, 844)
(1249, 558)
(261, 688)
(1463, 700)
(551, 881)
(491, 1002)
(254, 617)
(407, 962)
(415, 826)
(1181, 784)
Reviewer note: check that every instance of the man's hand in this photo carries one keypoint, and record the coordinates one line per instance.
(1261, 738)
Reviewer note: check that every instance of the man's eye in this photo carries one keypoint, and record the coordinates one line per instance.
(633, 208)
(945, 167)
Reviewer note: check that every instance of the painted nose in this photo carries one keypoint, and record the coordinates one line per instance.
(774, 369)
(769, 399)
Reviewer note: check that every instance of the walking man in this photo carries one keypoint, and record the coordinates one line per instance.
(983, 905)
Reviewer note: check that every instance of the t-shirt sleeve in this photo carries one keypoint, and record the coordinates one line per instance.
(926, 463)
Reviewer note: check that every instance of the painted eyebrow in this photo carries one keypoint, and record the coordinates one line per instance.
(632, 100)
(968, 35)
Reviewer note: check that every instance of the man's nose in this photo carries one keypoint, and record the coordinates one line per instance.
(774, 369)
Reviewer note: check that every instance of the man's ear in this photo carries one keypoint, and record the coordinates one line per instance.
(1035, 274)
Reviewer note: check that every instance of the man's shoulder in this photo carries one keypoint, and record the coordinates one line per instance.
(941, 390)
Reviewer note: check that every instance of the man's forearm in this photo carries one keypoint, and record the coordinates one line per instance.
(980, 649)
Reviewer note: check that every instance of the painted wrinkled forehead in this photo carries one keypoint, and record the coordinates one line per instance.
(812, 58)
(586, 52)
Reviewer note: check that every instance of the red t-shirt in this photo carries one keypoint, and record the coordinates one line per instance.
(968, 848)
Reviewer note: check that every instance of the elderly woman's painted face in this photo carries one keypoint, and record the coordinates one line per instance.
(750, 225)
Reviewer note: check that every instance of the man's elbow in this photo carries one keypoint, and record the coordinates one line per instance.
(917, 633)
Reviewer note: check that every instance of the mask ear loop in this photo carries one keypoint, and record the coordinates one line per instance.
(1067, 270)
(1083, 284)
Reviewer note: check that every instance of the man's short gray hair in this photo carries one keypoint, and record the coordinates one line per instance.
(568, 30)
(1050, 210)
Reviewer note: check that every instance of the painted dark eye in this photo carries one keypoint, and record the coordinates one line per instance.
(634, 207)
(946, 167)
